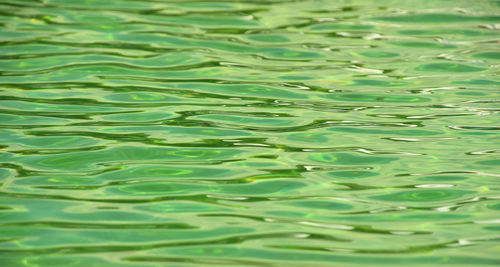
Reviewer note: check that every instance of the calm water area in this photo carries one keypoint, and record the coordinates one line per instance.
(249, 133)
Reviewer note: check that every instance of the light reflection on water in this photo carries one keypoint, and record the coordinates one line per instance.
(255, 133)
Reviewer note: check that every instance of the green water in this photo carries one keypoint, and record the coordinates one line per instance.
(249, 133)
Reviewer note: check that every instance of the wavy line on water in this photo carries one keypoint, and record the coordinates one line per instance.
(203, 261)
(409, 250)
(204, 198)
(213, 143)
(238, 239)
(195, 66)
(103, 225)
(12, 56)
(358, 228)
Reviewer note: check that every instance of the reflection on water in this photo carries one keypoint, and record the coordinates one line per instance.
(252, 133)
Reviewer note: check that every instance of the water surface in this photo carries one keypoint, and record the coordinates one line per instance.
(249, 133)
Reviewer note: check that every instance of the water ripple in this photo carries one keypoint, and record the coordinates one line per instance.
(256, 133)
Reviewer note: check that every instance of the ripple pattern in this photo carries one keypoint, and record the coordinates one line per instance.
(249, 133)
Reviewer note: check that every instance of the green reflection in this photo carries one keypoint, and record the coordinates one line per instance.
(249, 133)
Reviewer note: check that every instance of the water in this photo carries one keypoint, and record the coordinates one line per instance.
(249, 133)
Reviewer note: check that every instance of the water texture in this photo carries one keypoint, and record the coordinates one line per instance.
(249, 133)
